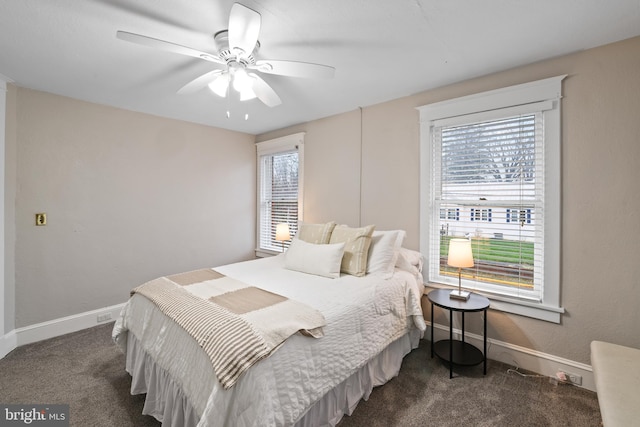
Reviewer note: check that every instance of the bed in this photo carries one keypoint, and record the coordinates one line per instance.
(371, 323)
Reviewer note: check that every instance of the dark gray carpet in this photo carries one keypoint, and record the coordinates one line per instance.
(423, 395)
(86, 370)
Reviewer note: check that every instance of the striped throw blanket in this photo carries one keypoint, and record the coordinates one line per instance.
(235, 324)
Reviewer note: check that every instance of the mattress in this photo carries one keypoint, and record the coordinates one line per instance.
(366, 317)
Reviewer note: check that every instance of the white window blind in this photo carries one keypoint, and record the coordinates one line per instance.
(279, 189)
(490, 172)
(485, 172)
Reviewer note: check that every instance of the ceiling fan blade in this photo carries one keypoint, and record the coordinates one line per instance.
(294, 69)
(200, 82)
(244, 28)
(167, 46)
(264, 92)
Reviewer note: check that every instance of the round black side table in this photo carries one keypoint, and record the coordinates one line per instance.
(459, 352)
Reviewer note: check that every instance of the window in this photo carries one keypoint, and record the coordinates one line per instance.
(280, 171)
(495, 158)
(450, 214)
(523, 216)
(478, 214)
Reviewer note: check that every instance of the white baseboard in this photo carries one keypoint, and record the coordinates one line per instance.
(56, 327)
(521, 357)
(510, 354)
(7, 343)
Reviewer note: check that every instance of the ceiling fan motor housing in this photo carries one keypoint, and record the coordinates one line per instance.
(224, 51)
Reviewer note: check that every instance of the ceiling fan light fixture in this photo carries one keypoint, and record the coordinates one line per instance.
(247, 94)
(220, 85)
(241, 80)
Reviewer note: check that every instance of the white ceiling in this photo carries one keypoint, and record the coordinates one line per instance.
(381, 49)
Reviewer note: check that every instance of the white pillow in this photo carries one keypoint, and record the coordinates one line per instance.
(319, 259)
(410, 261)
(384, 250)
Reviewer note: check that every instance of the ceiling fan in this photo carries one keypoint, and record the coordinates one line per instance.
(235, 60)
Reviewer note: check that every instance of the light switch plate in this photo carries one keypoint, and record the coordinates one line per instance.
(41, 219)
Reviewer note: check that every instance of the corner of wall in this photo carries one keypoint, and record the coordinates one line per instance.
(3, 115)
(8, 343)
(57, 327)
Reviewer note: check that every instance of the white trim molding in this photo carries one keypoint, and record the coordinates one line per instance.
(8, 342)
(544, 95)
(521, 357)
(57, 327)
(4, 79)
(5, 340)
(293, 142)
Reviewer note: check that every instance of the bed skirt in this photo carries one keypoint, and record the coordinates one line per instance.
(166, 402)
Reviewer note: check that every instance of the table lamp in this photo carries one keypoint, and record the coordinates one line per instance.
(282, 233)
(461, 256)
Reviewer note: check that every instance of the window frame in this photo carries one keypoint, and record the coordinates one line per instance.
(548, 91)
(282, 145)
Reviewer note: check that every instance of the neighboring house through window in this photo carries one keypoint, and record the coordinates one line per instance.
(280, 172)
(494, 158)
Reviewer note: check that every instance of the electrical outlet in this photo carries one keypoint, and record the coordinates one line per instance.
(569, 377)
(104, 317)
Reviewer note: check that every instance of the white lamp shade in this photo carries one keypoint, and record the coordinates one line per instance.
(247, 94)
(241, 80)
(220, 85)
(460, 254)
(282, 232)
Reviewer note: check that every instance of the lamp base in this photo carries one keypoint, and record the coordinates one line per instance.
(461, 295)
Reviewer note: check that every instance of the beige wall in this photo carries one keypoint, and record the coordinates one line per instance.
(600, 189)
(128, 197)
(331, 167)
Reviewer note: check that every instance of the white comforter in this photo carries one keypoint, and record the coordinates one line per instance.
(363, 315)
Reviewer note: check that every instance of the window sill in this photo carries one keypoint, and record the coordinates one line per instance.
(263, 253)
(515, 306)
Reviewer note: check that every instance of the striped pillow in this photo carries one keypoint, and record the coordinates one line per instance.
(356, 248)
(315, 233)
